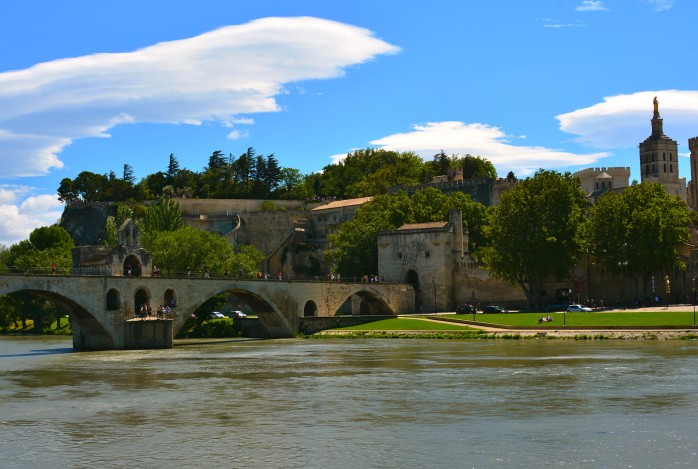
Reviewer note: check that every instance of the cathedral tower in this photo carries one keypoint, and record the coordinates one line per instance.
(659, 161)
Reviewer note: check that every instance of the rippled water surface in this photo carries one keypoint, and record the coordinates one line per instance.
(350, 403)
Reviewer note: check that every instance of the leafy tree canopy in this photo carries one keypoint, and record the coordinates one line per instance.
(638, 231)
(532, 233)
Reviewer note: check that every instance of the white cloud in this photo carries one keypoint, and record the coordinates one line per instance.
(623, 121)
(482, 140)
(591, 5)
(17, 222)
(212, 77)
(550, 23)
(238, 134)
(661, 5)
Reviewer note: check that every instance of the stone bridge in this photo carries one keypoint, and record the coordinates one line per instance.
(102, 308)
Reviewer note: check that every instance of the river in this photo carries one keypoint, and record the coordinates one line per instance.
(376, 403)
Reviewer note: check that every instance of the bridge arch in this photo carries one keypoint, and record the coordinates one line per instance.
(113, 299)
(366, 302)
(310, 309)
(88, 332)
(271, 317)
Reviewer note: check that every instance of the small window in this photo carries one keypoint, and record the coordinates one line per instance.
(426, 253)
(399, 255)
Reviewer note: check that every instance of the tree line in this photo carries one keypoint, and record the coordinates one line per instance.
(542, 227)
(361, 173)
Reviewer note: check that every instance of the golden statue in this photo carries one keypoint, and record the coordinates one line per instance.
(656, 105)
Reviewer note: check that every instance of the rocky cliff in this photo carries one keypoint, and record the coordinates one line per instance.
(86, 222)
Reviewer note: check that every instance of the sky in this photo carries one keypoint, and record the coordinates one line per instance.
(554, 84)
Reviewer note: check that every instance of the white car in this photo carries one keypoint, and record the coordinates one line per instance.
(236, 314)
(578, 309)
(217, 315)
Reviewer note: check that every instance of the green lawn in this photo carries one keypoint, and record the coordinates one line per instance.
(405, 324)
(601, 319)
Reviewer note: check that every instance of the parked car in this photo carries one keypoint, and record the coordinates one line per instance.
(494, 309)
(578, 309)
(236, 314)
(466, 309)
(217, 315)
(553, 307)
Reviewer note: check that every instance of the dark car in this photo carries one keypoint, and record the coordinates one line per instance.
(466, 309)
(494, 310)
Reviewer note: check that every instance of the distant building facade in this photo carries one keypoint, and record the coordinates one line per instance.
(597, 181)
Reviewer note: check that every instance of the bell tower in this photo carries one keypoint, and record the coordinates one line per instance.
(659, 158)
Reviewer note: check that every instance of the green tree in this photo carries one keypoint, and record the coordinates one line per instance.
(46, 246)
(637, 232)
(172, 170)
(129, 178)
(475, 167)
(533, 231)
(165, 215)
(123, 213)
(189, 248)
(67, 192)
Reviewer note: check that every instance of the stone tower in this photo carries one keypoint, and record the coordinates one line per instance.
(659, 158)
(693, 185)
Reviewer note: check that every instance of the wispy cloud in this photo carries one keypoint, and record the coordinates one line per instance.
(591, 5)
(622, 121)
(482, 140)
(552, 23)
(661, 5)
(214, 77)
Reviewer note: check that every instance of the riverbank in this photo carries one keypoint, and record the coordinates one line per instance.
(658, 334)
(485, 327)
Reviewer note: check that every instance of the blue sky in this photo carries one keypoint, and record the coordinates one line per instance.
(559, 84)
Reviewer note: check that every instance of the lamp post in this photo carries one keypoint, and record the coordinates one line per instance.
(667, 285)
(474, 307)
(694, 301)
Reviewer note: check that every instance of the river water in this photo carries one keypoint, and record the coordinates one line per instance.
(373, 403)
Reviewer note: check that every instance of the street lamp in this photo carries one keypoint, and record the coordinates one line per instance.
(694, 301)
(474, 307)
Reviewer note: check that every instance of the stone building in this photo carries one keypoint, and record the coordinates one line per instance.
(597, 181)
(434, 258)
(327, 218)
(128, 258)
(659, 158)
